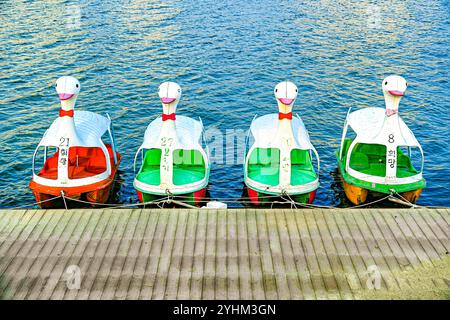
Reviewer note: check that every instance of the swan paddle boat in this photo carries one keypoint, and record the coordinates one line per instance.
(173, 159)
(378, 160)
(82, 167)
(279, 161)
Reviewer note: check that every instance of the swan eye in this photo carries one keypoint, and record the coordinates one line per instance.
(407, 84)
(56, 85)
(77, 85)
(276, 90)
(385, 83)
(296, 90)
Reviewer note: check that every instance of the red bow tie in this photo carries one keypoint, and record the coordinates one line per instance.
(63, 113)
(168, 117)
(282, 116)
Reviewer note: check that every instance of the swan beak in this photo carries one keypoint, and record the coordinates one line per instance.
(167, 100)
(286, 101)
(397, 93)
(65, 96)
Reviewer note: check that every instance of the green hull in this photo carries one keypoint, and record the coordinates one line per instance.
(371, 159)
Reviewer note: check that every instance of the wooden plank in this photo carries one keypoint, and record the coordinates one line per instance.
(165, 259)
(255, 259)
(97, 271)
(310, 255)
(116, 271)
(342, 252)
(42, 268)
(8, 221)
(403, 235)
(196, 288)
(352, 247)
(268, 272)
(221, 254)
(173, 276)
(88, 218)
(375, 249)
(133, 287)
(328, 276)
(403, 259)
(436, 230)
(408, 224)
(233, 271)
(243, 253)
(288, 257)
(187, 260)
(333, 255)
(131, 255)
(413, 240)
(307, 290)
(277, 256)
(442, 220)
(90, 254)
(209, 271)
(383, 245)
(93, 229)
(20, 231)
(149, 277)
(21, 249)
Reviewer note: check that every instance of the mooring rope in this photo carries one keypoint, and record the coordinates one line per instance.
(180, 200)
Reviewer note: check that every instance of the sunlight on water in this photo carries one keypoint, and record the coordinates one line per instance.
(227, 56)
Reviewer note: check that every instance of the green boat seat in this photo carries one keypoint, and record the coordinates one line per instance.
(188, 167)
(302, 170)
(264, 166)
(359, 161)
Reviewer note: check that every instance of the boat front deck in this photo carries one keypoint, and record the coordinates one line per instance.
(224, 254)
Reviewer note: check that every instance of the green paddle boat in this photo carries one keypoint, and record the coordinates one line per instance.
(279, 161)
(379, 158)
(174, 162)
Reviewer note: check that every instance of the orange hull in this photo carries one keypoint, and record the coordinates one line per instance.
(412, 196)
(358, 195)
(96, 192)
(355, 194)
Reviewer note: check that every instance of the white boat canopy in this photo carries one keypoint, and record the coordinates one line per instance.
(372, 126)
(90, 127)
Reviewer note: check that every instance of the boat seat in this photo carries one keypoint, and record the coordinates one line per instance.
(264, 166)
(83, 162)
(359, 161)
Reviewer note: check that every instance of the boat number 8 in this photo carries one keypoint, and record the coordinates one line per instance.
(391, 138)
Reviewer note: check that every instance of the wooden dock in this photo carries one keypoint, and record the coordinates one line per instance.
(224, 254)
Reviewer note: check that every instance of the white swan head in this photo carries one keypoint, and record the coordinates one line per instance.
(68, 89)
(170, 95)
(285, 93)
(394, 88)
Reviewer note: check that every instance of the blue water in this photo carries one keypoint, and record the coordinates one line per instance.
(227, 56)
